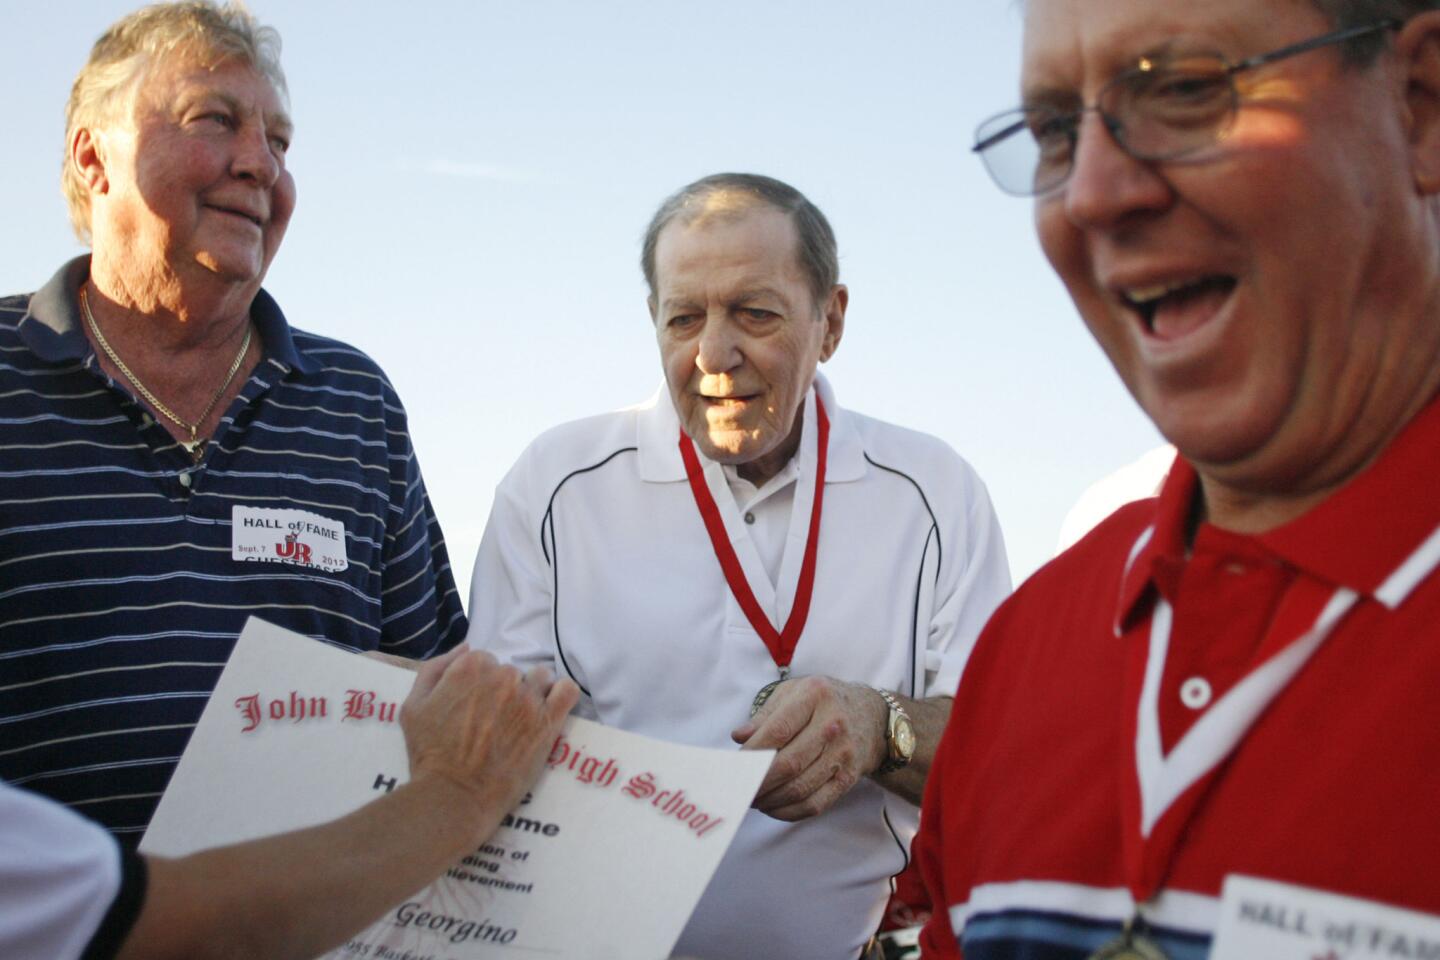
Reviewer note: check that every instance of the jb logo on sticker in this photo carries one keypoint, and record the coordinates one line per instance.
(293, 549)
(309, 540)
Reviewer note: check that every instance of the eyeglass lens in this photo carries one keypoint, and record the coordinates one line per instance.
(1160, 110)
(1154, 112)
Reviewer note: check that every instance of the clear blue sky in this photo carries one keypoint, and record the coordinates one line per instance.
(474, 177)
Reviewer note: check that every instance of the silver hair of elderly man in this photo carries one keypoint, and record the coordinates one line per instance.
(816, 240)
(200, 31)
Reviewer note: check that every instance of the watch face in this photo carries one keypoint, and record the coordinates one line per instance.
(904, 739)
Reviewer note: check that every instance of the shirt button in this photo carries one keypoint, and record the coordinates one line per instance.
(749, 517)
(1195, 693)
(146, 419)
(185, 480)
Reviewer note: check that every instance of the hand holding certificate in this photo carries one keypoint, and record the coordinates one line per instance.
(484, 749)
(605, 857)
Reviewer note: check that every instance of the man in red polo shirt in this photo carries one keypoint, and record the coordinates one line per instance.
(1218, 711)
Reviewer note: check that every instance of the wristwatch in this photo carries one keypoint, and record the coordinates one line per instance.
(899, 735)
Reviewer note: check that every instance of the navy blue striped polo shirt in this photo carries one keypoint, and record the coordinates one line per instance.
(125, 576)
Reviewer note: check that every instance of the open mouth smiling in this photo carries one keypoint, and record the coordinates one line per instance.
(1170, 310)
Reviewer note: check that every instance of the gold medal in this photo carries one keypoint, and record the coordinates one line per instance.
(764, 694)
(1130, 946)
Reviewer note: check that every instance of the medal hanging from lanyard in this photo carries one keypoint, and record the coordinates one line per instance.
(781, 643)
(1161, 785)
(1130, 945)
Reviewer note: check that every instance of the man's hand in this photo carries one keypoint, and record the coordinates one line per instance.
(828, 734)
(484, 727)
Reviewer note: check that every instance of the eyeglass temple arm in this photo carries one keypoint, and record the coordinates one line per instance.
(999, 135)
(1316, 42)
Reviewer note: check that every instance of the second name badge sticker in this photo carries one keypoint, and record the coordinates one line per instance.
(1280, 921)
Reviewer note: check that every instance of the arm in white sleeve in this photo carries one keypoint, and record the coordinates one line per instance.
(512, 588)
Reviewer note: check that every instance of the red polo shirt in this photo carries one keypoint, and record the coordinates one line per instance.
(1139, 721)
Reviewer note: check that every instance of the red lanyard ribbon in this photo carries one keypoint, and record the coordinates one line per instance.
(780, 643)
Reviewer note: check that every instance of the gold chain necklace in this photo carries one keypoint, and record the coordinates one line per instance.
(196, 444)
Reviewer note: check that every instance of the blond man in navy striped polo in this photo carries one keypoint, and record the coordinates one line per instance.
(174, 456)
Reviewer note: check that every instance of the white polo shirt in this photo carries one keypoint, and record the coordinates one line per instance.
(59, 875)
(597, 564)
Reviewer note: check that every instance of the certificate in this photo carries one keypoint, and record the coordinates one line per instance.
(606, 857)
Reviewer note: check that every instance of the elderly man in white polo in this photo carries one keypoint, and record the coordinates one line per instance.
(741, 559)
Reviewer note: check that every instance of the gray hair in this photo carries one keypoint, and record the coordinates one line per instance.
(200, 30)
(816, 243)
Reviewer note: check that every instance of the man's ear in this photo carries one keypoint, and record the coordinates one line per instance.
(834, 319)
(87, 157)
(1418, 46)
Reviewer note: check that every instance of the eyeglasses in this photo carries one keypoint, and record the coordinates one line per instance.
(1158, 110)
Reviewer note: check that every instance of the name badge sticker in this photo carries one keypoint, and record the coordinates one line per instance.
(1280, 921)
(296, 537)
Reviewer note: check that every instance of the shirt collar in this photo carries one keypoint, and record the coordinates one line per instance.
(658, 434)
(1164, 537)
(52, 327)
(788, 474)
(1378, 535)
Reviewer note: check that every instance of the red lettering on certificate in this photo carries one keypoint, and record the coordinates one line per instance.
(674, 804)
(250, 711)
(365, 705)
(641, 786)
(671, 803)
(565, 755)
(294, 707)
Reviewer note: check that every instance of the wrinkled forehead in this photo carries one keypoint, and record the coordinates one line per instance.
(184, 74)
(1076, 45)
(740, 245)
(724, 206)
(733, 220)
